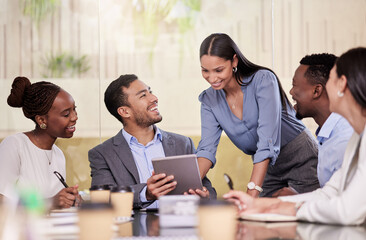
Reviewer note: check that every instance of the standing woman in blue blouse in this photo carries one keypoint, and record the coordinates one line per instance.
(247, 102)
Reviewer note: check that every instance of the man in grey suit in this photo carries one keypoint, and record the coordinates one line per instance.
(125, 159)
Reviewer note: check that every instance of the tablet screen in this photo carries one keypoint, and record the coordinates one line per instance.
(184, 168)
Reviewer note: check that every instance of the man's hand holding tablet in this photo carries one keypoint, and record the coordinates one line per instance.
(184, 171)
(159, 185)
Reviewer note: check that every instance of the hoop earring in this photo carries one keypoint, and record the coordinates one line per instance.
(235, 69)
(43, 126)
(340, 94)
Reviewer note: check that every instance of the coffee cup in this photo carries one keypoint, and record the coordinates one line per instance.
(100, 193)
(216, 213)
(122, 201)
(95, 221)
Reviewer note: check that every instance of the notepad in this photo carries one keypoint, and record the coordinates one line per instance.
(65, 210)
(267, 217)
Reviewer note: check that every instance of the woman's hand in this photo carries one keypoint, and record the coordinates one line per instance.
(241, 199)
(204, 193)
(67, 197)
(258, 174)
(285, 208)
(249, 204)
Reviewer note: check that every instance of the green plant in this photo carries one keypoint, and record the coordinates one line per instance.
(39, 9)
(64, 65)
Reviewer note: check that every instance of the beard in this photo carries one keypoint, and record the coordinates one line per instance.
(297, 109)
(146, 121)
(299, 116)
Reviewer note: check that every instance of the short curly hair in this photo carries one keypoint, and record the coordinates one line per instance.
(319, 67)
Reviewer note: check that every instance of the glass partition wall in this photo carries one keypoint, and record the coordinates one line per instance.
(82, 45)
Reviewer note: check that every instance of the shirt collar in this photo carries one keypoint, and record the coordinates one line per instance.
(130, 139)
(158, 135)
(328, 126)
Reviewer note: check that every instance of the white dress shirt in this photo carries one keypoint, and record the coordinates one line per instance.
(142, 156)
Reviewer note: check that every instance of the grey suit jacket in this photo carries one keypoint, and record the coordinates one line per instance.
(112, 163)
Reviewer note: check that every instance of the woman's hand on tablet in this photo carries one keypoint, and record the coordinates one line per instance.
(203, 193)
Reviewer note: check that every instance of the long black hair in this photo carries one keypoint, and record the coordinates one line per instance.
(221, 45)
(352, 64)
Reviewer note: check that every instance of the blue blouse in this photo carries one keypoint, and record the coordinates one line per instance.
(265, 127)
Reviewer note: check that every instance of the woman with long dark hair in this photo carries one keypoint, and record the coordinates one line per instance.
(342, 199)
(248, 103)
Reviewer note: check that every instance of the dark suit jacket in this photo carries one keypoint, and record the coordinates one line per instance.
(112, 162)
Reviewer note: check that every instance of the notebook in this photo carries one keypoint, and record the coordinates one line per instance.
(267, 217)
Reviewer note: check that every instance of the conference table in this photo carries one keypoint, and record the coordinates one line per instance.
(145, 225)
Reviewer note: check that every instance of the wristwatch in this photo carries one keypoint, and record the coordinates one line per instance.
(251, 186)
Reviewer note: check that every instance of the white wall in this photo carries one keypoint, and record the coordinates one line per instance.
(171, 65)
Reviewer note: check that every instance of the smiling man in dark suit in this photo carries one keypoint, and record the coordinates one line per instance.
(125, 159)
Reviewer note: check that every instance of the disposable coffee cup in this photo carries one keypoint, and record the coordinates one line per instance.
(100, 193)
(125, 229)
(95, 221)
(122, 201)
(216, 213)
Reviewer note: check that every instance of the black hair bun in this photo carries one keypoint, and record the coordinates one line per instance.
(18, 87)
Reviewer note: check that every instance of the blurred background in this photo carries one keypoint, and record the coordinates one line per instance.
(83, 45)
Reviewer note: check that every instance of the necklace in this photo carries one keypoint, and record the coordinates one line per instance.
(48, 157)
(233, 105)
(46, 152)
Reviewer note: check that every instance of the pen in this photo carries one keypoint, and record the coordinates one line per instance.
(229, 181)
(231, 186)
(61, 178)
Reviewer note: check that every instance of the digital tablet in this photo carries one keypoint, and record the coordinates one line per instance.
(184, 168)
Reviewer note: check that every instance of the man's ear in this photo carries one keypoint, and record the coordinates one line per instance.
(318, 90)
(124, 111)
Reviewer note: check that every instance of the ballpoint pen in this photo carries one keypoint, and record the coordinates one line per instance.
(62, 180)
(229, 181)
(231, 186)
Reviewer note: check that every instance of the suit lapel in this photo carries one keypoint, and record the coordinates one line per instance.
(168, 144)
(124, 154)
